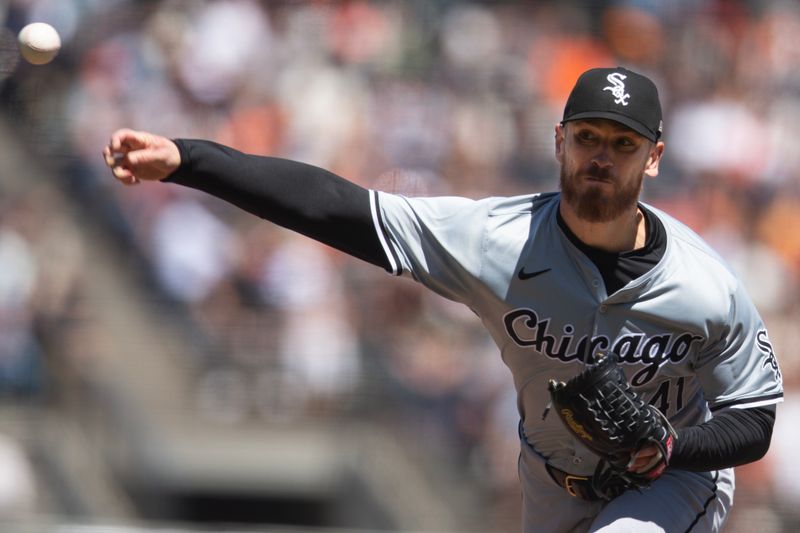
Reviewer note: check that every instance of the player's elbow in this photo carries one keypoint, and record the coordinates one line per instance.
(756, 450)
(758, 447)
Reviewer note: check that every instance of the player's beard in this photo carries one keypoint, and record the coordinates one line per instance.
(596, 202)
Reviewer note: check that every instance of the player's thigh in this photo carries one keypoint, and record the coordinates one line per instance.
(678, 501)
(546, 507)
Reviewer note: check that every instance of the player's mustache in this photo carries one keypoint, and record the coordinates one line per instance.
(600, 173)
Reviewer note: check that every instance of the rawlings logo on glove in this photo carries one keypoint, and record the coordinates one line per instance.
(569, 420)
(606, 415)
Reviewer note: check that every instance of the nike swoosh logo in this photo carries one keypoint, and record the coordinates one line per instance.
(528, 275)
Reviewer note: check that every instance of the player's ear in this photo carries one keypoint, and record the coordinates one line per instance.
(653, 159)
(560, 143)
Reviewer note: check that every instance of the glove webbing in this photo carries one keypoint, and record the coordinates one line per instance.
(616, 412)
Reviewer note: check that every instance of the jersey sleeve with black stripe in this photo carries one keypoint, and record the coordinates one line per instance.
(436, 241)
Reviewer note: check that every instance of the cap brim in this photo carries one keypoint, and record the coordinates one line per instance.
(636, 126)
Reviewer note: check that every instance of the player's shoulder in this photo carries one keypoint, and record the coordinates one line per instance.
(694, 252)
(492, 205)
(524, 204)
(702, 276)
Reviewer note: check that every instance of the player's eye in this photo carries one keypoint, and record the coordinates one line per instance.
(626, 143)
(585, 136)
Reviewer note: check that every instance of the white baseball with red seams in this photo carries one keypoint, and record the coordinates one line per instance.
(39, 43)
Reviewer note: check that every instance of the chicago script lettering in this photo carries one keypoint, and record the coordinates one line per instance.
(527, 330)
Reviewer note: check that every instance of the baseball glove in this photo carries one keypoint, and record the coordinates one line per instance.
(606, 415)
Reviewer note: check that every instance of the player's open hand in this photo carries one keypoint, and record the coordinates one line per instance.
(136, 156)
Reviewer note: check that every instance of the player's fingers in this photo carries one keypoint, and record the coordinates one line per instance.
(126, 139)
(129, 179)
(652, 463)
(638, 459)
(141, 159)
(117, 138)
(107, 156)
(111, 158)
(146, 156)
(645, 460)
(121, 173)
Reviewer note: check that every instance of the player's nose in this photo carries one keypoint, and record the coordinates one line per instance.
(602, 159)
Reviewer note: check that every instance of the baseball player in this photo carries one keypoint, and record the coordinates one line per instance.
(560, 280)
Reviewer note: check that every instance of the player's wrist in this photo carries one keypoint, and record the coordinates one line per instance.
(178, 163)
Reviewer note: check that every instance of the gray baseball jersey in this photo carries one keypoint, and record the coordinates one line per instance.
(688, 336)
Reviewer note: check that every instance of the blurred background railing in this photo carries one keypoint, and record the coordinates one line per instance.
(166, 359)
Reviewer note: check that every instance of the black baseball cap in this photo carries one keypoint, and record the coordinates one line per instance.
(617, 94)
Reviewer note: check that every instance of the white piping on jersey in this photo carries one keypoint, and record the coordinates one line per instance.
(748, 405)
(373, 207)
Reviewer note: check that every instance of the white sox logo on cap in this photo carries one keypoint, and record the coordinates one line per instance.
(617, 88)
(589, 99)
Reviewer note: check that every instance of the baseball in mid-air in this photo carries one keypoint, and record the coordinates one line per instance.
(39, 43)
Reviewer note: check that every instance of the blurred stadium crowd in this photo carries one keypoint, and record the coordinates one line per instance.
(416, 97)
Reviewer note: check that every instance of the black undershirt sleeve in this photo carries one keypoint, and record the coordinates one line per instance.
(297, 196)
(732, 438)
